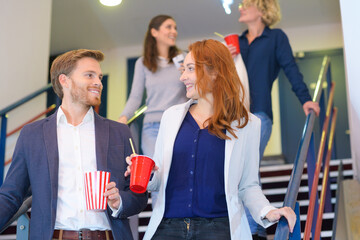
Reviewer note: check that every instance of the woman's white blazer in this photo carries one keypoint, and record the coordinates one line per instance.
(241, 173)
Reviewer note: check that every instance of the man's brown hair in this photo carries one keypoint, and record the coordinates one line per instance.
(65, 64)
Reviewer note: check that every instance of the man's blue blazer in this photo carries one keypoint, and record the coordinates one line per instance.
(35, 166)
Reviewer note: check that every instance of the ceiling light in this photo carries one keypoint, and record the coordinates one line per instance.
(110, 3)
(226, 5)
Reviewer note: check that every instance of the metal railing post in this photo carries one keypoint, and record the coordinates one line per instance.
(2, 146)
(322, 113)
(22, 228)
(296, 234)
(282, 230)
(328, 205)
(3, 115)
(338, 192)
(329, 81)
(22, 210)
(311, 165)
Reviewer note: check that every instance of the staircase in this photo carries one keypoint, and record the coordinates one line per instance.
(9, 233)
(274, 181)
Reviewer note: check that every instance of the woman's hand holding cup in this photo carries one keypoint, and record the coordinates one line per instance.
(128, 161)
(233, 50)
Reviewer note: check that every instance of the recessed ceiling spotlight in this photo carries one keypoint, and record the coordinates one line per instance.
(226, 5)
(110, 3)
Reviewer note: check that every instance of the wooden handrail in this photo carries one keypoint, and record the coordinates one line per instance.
(25, 99)
(325, 176)
(282, 230)
(49, 109)
(3, 116)
(315, 182)
(137, 113)
(321, 79)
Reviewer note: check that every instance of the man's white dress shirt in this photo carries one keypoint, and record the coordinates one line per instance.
(77, 155)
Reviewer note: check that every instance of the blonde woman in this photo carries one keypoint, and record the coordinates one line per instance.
(265, 51)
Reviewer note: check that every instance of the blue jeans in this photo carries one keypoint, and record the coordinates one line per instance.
(266, 127)
(149, 134)
(148, 138)
(193, 229)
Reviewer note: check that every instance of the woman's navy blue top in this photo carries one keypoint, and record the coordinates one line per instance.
(263, 59)
(195, 187)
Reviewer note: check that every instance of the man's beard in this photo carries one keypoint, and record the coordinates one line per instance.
(79, 95)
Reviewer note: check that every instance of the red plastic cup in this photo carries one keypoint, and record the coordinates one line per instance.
(140, 173)
(233, 39)
(95, 183)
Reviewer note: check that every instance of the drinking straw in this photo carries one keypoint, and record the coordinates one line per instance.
(132, 146)
(218, 34)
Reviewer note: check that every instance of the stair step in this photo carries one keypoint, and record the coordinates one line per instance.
(8, 237)
(274, 179)
(304, 177)
(301, 189)
(325, 235)
(279, 177)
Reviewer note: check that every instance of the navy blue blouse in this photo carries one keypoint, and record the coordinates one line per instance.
(263, 59)
(195, 187)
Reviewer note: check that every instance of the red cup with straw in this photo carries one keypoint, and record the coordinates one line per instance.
(233, 39)
(141, 167)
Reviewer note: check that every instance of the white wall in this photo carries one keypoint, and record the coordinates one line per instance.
(350, 16)
(24, 66)
(24, 54)
(317, 37)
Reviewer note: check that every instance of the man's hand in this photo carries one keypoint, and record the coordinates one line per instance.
(288, 213)
(112, 193)
(311, 105)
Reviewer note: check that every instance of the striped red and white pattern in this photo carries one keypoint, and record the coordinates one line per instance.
(95, 183)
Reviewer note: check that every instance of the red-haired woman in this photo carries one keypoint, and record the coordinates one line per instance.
(207, 156)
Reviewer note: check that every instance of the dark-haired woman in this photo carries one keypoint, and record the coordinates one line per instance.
(156, 73)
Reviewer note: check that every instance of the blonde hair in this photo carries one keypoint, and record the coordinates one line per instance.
(269, 8)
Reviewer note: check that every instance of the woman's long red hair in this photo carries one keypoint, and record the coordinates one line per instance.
(212, 58)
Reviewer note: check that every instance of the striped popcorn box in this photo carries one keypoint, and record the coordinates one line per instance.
(95, 183)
